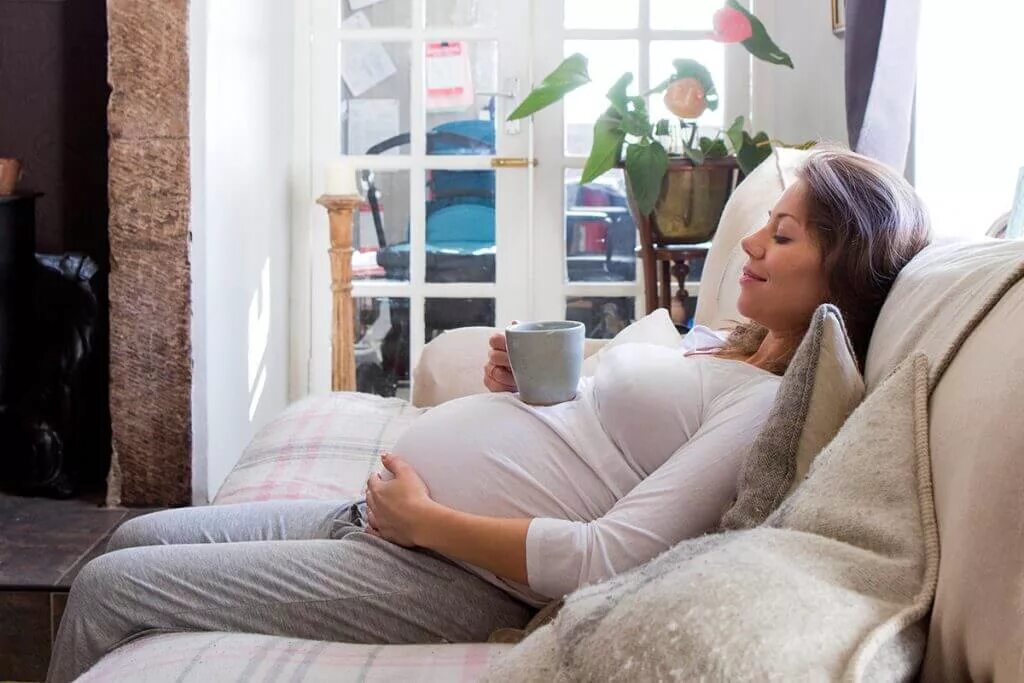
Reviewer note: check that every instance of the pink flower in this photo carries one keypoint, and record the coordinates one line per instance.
(731, 26)
(685, 98)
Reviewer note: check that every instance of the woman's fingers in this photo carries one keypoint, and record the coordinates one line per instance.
(499, 358)
(497, 342)
(498, 378)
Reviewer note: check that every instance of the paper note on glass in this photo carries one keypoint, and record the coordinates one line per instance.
(449, 76)
(1015, 228)
(363, 64)
(369, 122)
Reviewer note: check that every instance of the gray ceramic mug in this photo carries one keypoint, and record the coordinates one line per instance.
(546, 358)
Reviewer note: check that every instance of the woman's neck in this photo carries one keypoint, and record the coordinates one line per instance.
(775, 346)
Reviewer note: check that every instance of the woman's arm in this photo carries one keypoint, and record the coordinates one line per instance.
(496, 544)
(401, 511)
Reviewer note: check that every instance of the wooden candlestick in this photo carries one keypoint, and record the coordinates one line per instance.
(340, 210)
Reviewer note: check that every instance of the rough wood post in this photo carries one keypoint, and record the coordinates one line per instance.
(340, 210)
(150, 279)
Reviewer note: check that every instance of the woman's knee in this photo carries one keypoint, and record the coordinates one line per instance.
(135, 532)
(98, 579)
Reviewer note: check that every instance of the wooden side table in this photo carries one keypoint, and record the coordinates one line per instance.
(673, 260)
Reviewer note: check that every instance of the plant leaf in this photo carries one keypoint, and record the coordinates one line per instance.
(617, 93)
(607, 147)
(755, 150)
(713, 148)
(760, 43)
(694, 154)
(661, 127)
(735, 133)
(646, 165)
(636, 123)
(567, 76)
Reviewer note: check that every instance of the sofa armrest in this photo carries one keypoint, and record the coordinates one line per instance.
(452, 365)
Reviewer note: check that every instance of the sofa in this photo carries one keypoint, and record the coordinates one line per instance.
(325, 447)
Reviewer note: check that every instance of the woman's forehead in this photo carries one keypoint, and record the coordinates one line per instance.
(792, 202)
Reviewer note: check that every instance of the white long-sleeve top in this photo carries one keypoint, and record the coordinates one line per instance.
(646, 455)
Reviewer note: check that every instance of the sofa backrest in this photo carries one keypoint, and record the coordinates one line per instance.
(745, 212)
(977, 446)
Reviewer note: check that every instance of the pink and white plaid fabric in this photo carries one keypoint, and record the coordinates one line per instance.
(322, 447)
(244, 657)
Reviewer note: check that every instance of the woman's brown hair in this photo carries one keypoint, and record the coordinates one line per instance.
(868, 222)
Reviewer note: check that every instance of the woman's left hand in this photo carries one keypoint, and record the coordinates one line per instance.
(396, 507)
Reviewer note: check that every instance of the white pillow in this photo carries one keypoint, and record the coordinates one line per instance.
(653, 328)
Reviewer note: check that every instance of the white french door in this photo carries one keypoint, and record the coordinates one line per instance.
(469, 220)
(444, 239)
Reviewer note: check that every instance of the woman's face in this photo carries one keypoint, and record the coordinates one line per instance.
(783, 280)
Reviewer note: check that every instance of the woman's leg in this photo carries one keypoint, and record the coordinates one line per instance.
(274, 520)
(359, 589)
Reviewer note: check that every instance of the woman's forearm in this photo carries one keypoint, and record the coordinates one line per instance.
(496, 544)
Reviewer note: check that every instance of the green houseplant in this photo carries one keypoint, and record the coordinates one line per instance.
(624, 133)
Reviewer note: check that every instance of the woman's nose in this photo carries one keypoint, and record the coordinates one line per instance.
(752, 245)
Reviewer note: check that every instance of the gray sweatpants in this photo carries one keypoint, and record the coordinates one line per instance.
(289, 568)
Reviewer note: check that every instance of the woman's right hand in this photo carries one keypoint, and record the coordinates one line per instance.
(498, 371)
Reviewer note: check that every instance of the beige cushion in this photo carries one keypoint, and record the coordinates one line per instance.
(820, 389)
(653, 328)
(452, 364)
(822, 591)
(746, 211)
(977, 624)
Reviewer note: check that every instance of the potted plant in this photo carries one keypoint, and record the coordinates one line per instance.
(678, 180)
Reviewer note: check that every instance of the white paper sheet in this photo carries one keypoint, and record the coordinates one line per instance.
(363, 65)
(360, 4)
(371, 121)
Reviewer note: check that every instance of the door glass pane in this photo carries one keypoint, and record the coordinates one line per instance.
(380, 235)
(460, 226)
(686, 15)
(382, 345)
(460, 112)
(707, 52)
(358, 14)
(608, 60)
(603, 317)
(374, 108)
(590, 14)
(600, 235)
(440, 314)
(463, 12)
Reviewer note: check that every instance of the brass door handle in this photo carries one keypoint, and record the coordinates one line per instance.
(512, 162)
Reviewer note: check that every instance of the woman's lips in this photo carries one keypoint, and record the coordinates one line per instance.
(747, 276)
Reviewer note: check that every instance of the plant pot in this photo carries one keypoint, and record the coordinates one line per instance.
(688, 211)
(692, 200)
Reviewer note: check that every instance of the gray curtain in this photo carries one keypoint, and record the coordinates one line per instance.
(881, 73)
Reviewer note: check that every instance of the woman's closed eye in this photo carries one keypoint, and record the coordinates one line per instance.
(780, 239)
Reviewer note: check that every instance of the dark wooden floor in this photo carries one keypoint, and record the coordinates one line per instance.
(43, 545)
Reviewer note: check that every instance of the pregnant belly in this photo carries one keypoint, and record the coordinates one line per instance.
(487, 455)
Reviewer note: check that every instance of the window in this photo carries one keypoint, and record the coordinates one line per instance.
(968, 147)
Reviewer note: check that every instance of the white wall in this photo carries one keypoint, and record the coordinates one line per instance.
(241, 133)
(809, 101)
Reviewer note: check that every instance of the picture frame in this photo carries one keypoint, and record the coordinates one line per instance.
(838, 17)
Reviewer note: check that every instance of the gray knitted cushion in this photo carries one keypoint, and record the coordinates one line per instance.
(820, 389)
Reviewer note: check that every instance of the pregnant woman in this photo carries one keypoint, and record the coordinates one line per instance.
(492, 507)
